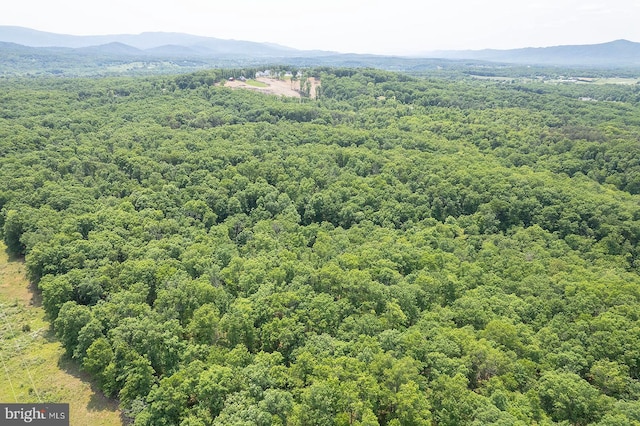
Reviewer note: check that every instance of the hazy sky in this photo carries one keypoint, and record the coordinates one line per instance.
(362, 26)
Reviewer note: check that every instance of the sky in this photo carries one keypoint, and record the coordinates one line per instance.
(349, 26)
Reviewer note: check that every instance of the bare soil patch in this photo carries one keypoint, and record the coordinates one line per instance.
(276, 87)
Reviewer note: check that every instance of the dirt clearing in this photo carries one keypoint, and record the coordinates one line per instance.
(276, 87)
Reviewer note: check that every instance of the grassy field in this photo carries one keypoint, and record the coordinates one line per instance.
(256, 83)
(620, 80)
(31, 359)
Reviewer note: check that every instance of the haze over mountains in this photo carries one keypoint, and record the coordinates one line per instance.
(620, 53)
(614, 53)
(153, 43)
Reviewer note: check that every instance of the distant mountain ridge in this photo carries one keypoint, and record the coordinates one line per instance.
(614, 53)
(167, 46)
(156, 43)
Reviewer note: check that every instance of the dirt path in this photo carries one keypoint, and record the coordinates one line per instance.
(31, 365)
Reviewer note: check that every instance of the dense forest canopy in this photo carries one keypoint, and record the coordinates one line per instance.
(398, 251)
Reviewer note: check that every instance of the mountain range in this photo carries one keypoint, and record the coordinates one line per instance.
(614, 53)
(151, 43)
(21, 48)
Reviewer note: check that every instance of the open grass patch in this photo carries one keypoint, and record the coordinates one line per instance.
(620, 80)
(256, 83)
(32, 367)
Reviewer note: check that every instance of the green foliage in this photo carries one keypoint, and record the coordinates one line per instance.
(70, 321)
(568, 397)
(12, 230)
(400, 251)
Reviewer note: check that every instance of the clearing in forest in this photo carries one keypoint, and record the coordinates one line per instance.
(275, 86)
(31, 358)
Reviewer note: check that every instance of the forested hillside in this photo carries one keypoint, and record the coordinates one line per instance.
(399, 251)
